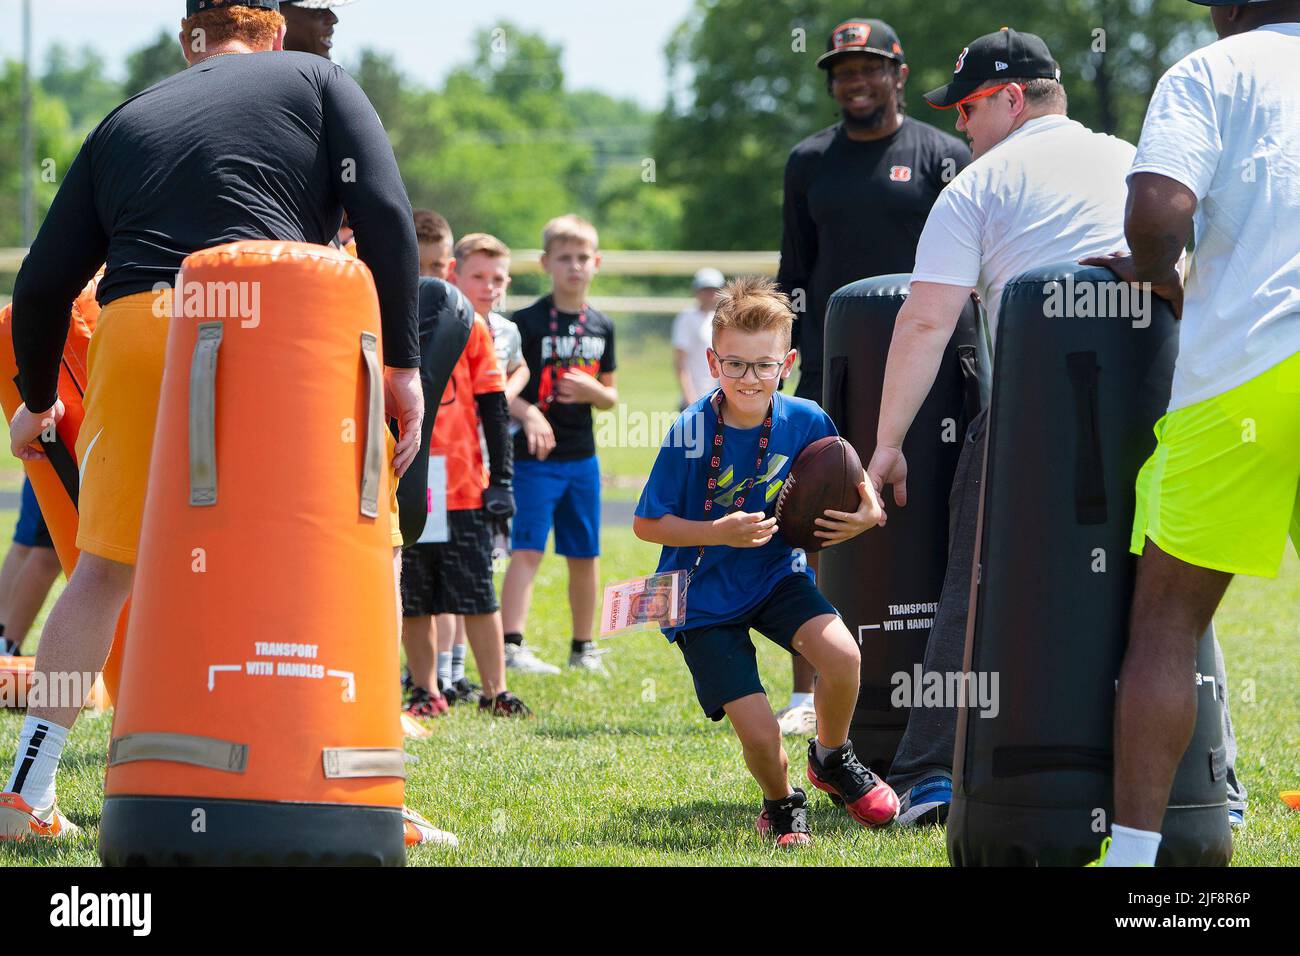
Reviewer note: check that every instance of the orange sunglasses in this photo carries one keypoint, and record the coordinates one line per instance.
(981, 94)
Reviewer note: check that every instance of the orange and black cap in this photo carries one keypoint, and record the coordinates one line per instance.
(1006, 54)
(861, 36)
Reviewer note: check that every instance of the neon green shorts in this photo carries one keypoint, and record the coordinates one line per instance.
(1222, 489)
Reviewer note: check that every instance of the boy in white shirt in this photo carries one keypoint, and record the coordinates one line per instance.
(692, 338)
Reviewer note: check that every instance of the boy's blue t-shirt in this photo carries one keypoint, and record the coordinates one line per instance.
(731, 582)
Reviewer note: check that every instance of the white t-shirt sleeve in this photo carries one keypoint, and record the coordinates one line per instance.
(682, 338)
(1180, 138)
(951, 246)
(515, 356)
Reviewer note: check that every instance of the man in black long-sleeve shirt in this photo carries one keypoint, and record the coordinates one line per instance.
(857, 195)
(248, 143)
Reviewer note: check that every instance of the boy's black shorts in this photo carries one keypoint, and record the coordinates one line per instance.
(454, 577)
(721, 657)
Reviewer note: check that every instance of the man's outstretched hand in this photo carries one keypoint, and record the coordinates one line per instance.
(1170, 289)
(889, 467)
(404, 401)
(27, 426)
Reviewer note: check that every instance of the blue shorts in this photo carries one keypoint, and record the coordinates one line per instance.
(30, 531)
(721, 657)
(565, 494)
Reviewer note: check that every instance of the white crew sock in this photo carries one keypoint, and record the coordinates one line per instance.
(798, 700)
(1132, 847)
(444, 666)
(457, 662)
(40, 745)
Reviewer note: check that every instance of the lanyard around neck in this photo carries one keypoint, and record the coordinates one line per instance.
(715, 467)
(555, 361)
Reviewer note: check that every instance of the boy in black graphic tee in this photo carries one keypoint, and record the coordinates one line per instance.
(569, 349)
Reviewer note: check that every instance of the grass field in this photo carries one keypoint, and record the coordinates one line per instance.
(627, 772)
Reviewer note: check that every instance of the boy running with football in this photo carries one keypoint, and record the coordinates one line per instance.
(707, 505)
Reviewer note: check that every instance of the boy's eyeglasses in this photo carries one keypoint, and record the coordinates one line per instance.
(991, 91)
(735, 368)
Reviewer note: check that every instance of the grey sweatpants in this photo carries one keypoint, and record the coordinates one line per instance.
(929, 743)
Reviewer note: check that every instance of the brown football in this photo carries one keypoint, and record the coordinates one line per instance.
(825, 476)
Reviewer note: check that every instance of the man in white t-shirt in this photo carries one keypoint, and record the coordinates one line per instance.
(1041, 188)
(693, 337)
(1219, 157)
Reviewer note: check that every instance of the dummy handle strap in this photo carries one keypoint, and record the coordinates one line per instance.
(349, 762)
(203, 415)
(208, 752)
(1089, 476)
(374, 452)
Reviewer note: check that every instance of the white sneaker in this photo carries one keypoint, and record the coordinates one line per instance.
(520, 657)
(801, 720)
(589, 660)
(420, 831)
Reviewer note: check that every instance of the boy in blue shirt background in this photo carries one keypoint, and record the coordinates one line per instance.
(708, 504)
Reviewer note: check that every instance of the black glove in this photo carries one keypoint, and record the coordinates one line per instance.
(499, 500)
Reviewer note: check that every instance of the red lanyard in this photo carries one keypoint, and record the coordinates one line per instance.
(555, 361)
(715, 466)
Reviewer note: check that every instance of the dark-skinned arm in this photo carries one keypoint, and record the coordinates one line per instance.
(1158, 226)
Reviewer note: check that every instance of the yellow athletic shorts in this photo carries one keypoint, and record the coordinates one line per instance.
(125, 366)
(1222, 489)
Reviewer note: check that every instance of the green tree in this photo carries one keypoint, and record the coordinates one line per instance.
(78, 78)
(379, 77)
(746, 87)
(56, 145)
(152, 63)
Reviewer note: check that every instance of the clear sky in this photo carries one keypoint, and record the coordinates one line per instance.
(614, 46)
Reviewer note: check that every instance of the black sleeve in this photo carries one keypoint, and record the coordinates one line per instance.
(379, 212)
(798, 233)
(608, 361)
(68, 250)
(493, 414)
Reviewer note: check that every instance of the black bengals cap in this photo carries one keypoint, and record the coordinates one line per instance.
(198, 6)
(861, 36)
(997, 55)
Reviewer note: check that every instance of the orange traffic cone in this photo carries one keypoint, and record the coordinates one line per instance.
(257, 721)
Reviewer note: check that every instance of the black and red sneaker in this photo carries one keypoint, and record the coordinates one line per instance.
(869, 800)
(504, 704)
(424, 705)
(786, 820)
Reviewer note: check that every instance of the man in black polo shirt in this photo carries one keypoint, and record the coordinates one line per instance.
(247, 143)
(857, 195)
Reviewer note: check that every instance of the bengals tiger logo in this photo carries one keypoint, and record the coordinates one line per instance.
(900, 174)
(961, 61)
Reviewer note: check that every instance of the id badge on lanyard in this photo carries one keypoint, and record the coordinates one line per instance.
(557, 364)
(715, 467)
